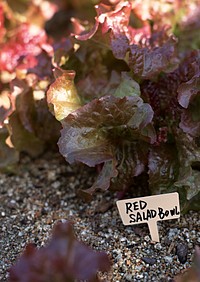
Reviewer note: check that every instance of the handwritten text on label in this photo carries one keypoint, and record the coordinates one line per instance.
(150, 210)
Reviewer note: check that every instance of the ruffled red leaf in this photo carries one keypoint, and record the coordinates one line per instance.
(118, 174)
(116, 20)
(188, 90)
(21, 50)
(150, 58)
(163, 167)
(90, 133)
(189, 94)
(63, 259)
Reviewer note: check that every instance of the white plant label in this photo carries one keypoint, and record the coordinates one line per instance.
(150, 210)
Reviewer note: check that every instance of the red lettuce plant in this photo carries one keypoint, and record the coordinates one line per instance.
(27, 43)
(25, 73)
(125, 88)
(134, 103)
(63, 259)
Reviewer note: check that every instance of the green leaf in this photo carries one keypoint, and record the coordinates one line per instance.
(127, 87)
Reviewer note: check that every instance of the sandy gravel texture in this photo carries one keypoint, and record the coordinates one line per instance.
(43, 191)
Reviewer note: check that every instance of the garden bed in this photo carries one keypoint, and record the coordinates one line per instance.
(43, 191)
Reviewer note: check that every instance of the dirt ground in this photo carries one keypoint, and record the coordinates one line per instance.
(43, 191)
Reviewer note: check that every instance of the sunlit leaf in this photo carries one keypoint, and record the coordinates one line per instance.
(63, 96)
(5, 106)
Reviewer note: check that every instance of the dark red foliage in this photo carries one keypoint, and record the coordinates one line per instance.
(122, 54)
(63, 259)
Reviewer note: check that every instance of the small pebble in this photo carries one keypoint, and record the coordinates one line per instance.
(158, 246)
(129, 277)
(168, 259)
(12, 204)
(149, 261)
(172, 233)
(181, 252)
(147, 239)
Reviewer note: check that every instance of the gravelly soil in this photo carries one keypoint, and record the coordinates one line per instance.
(43, 191)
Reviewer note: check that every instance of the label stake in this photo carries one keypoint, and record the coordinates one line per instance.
(150, 210)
